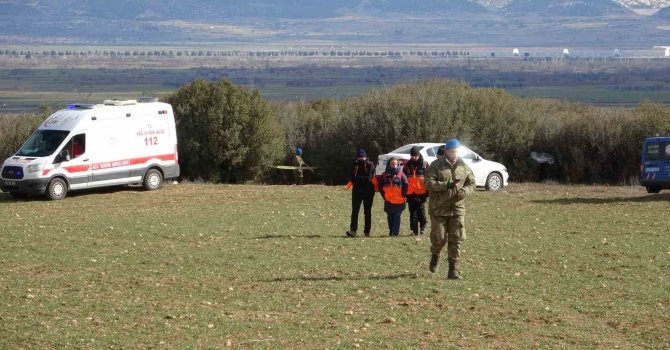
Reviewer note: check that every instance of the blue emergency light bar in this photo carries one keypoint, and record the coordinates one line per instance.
(80, 106)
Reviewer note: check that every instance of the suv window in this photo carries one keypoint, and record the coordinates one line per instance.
(431, 152)
(657, 151)
(468, 155)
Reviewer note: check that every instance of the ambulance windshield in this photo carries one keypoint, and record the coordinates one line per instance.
(43, 143)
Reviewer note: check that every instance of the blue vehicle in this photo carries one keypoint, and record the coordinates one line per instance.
(655, 166)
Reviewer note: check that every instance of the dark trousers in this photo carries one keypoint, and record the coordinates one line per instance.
(356, 200)
(417, 215)
(394, 223)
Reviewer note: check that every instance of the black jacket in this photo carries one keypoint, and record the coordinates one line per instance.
(361, 175)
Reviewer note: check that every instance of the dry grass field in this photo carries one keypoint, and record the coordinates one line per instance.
(211, 266)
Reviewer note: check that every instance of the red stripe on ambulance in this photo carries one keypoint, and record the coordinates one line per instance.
(77, 168)
(113, 164)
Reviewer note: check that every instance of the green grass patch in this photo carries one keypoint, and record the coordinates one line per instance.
(593, 94)
(207, 266)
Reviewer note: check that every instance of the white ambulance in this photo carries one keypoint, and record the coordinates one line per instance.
(96, 145)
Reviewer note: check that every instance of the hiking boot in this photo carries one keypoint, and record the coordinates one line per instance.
(367, 234)
(415, 232)
(422, 231)
(453, 271)
(351, 233)
(434, 260)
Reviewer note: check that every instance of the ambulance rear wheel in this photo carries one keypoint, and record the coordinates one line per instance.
(57, 189)
(153, 180)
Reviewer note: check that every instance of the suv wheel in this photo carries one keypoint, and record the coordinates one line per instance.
(494, 182)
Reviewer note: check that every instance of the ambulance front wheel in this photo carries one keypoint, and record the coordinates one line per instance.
(57, 189)
(153, 180)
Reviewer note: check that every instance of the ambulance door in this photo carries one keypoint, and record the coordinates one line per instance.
(74, 162)
(110, 164)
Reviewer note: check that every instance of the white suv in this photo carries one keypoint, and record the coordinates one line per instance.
(491, 175)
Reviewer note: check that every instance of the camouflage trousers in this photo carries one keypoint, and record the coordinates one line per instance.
(298, 177)
(449, 231)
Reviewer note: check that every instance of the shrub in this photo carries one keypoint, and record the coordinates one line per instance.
(226, 133)
(15, 130)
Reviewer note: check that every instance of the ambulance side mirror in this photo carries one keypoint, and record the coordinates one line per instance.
(63, 156)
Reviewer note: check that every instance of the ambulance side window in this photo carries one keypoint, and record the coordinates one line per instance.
(78, 145)
(73, 149)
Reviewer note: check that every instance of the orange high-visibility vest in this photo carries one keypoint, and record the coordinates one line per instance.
(393, 193)
(415, 184)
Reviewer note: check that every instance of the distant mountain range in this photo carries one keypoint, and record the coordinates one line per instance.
(582, 8)
(631, 4)
(205, 9)
(455, 21)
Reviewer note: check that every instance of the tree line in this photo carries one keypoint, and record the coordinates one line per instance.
(228, 133)
(236, 53)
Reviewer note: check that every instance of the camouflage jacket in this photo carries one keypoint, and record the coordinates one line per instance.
(442, 190)
(297, 161)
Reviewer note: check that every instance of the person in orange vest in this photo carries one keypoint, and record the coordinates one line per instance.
(363, 183)
(415, 169)
(393, 187)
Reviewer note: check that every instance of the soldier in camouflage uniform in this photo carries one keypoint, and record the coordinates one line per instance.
(298, 162)
(448, 180)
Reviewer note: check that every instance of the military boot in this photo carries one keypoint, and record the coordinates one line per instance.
(434, 260)
(453, 271)
(351, 233)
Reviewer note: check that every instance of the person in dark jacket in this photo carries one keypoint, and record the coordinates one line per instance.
(393, 187)
(440, 152)
(363, 182)
(415, 169)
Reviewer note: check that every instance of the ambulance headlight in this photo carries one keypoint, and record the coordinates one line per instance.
(33, 168)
